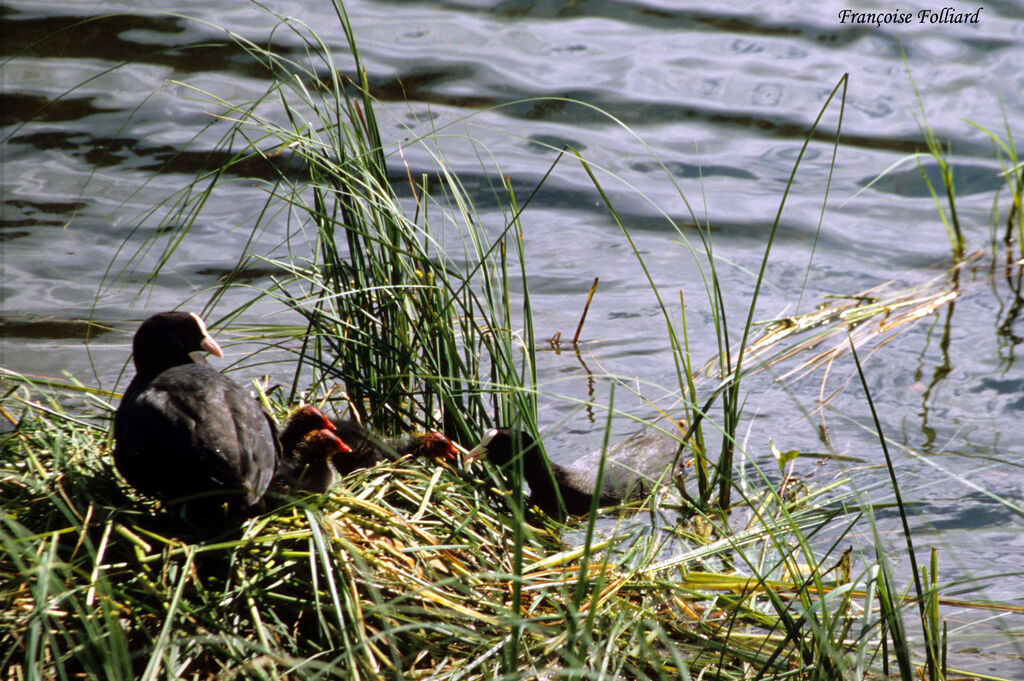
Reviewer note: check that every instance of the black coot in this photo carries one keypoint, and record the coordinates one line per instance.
(184, 431)
(631, 470)
(368, 448)
(308, 444)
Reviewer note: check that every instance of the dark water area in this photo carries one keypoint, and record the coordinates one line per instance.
(103, 121)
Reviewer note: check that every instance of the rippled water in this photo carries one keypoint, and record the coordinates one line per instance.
(666, 99)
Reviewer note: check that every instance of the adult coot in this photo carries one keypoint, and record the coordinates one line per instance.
(631, 470)
(186, 433)
(368, 448)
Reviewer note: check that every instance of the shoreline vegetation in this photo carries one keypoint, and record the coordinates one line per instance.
(426, 570)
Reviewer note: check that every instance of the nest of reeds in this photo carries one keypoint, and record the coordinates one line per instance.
(410, 569)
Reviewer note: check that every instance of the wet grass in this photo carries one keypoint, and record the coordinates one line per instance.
(408, 313)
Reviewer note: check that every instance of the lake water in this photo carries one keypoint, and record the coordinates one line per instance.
(712, 105)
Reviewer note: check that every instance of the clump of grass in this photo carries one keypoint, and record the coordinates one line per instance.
(1013, 175)
(1012, 172)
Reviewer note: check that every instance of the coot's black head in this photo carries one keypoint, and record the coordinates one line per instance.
(168, 340)
(502, 445)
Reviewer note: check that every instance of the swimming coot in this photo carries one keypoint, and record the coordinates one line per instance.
(368, 448)
(631, 470)
(184, 431)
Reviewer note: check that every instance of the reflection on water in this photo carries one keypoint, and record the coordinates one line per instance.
(667, 101)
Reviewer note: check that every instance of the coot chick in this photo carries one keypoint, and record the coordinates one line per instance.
(302, 422)
(308, 443)
(631, 470)
(185, 432)
(308, 465)
(368, 448)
